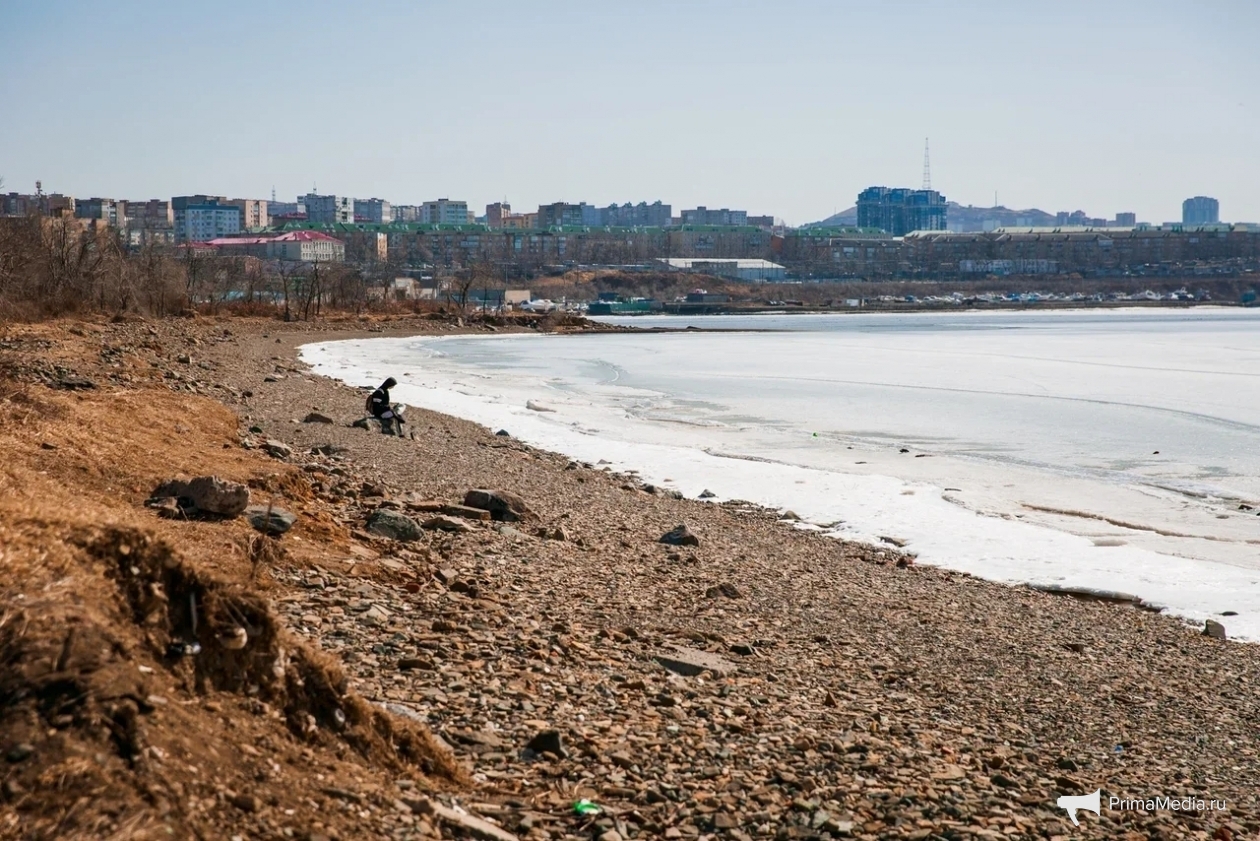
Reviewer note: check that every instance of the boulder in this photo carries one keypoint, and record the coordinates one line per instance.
(680, 535)
(205, 495)
(270, 520)
(548, 741)
(503, 505)
(393, 525)
(277, 449)
(1214, 629)
(316, 417)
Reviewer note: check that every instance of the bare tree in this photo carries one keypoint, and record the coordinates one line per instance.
(461, 282)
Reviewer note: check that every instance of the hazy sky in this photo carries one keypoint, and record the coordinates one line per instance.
(786, 108)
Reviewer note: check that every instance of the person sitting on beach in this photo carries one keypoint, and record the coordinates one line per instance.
(379, 407)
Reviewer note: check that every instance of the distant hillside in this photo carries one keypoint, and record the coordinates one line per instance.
(961, 218)
(972, 218)
(843, 219)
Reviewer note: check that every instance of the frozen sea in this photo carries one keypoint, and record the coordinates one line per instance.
(1118, 450)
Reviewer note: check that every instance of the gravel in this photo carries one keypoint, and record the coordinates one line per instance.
(829, 689)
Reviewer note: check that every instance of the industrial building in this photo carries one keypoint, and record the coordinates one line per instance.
(900, 210)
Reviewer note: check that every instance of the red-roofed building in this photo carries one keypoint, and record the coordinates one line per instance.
(295, 246)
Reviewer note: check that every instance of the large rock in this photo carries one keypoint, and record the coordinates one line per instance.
(393, 525)
(680, 535)
(690, 662)
(445, 523)
(502, 505)
(205, 495)
(277, 449)
(1214, 629)
(270, 520)
(548, 741)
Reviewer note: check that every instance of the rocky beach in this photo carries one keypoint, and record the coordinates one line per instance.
(454, 634)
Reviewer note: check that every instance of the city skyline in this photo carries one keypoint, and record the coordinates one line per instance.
(723, 105)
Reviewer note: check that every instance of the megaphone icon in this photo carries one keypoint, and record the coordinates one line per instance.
(1088, 802)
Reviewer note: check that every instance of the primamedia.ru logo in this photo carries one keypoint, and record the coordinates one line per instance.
(1093, 802)
(1166, 804)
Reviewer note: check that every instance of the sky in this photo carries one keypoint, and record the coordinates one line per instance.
(785, 108)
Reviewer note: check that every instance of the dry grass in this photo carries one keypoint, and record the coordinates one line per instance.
(95, 586)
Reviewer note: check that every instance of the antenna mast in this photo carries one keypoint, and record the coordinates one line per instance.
(927, 167)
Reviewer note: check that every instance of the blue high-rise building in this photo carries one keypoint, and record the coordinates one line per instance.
(1200, 210)
(900, 210)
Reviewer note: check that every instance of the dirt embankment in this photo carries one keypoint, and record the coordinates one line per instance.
(757, 682)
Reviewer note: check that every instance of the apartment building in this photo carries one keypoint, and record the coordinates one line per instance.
(444, 212)
(286, 209)
(109, 211)
(722, 217)
(497, 213)
(329, 210)
(375, 211)
(561, 214)
(641, 215)
(1200, 210)
(899, 210)
(150, 221)
(202, 222)
(254, 213)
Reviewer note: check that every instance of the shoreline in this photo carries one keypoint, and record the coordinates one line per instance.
(918, 307)
(1046, 539)
(854, 693)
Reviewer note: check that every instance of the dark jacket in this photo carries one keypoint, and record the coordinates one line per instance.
(378, 403)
